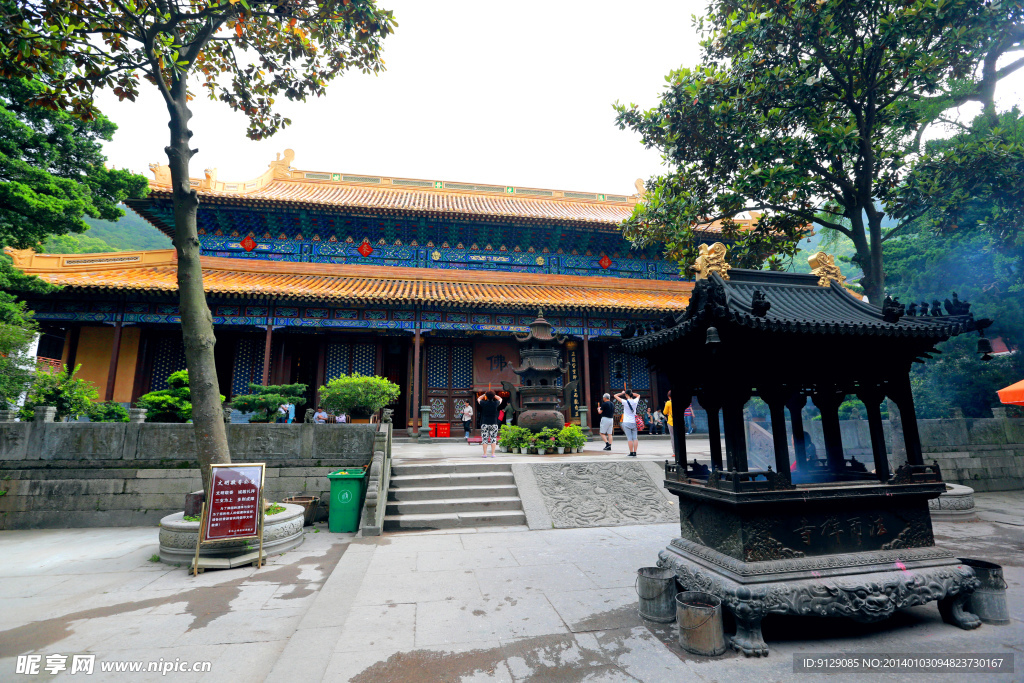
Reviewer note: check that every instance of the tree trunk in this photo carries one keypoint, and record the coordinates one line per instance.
(869, 261)
(196, 320)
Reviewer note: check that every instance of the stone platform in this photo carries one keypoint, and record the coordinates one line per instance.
(281, 532)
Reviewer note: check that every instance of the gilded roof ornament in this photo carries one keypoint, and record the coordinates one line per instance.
(711, 260)
(824, 266)
(282, 168)
(161, 173)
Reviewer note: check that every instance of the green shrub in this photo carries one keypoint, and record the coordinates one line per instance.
(571, 437)
(357, 395)
(512, 436)
(108, 411)
(71, 396)
(173, 404)
(263, 402)
(545, 438)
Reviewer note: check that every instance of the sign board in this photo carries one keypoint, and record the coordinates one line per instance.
(234, 508)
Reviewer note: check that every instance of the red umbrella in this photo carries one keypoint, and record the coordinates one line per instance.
(1013, 394)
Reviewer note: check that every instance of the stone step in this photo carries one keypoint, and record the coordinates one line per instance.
(454, 520)
(456, 505)
(442, 468)
(483, 478)
(436, 492)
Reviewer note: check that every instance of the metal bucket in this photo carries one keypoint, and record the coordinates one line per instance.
(656, 588)
(700, 623)
(989, 601)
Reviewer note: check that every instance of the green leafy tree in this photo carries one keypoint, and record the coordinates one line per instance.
(358, 395)
(70, 395)
(108, 411)
(246, 54)
(958, 378)
(805, 111)
(264, 401)
(17, 365)
(173, 404)
(52, 171)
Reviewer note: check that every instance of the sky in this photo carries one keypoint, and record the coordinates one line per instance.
(485, 92)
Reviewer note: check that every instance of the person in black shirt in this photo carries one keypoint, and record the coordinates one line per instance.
(606, 411)
(489, 420)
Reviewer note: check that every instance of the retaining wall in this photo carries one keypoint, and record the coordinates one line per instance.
(986, 454)
(61, 475)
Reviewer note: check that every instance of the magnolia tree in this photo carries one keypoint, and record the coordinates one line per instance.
(806, 111)
(244, 53)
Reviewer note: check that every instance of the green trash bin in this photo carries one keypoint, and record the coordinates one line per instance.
(347, 491)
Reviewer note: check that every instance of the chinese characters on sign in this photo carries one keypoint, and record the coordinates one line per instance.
(233, 509)
(573, 354)
(498, 362)
(248, 243)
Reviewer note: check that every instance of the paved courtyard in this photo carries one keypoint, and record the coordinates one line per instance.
(497, 605)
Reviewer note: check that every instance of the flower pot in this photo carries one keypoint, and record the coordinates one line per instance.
(561, 450)
(541, 451)
(579, 449)
(516, 450)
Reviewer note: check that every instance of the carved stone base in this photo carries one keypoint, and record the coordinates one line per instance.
(281, 532)
(865, 586)
(955, 505)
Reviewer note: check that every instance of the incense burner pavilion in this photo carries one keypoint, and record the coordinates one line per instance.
(311, 275)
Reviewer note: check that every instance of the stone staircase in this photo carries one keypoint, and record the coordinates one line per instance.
(448, 496)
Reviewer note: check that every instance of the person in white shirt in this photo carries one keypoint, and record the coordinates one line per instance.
(630, 402)
(467, 419)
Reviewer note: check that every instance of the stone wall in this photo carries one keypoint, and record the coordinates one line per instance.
(128, 444)
(62, 475)
(986, 454)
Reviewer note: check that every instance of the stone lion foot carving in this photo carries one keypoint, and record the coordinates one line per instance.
(748, 639)
(953, 611)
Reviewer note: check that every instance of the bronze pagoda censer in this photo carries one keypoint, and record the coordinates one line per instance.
(537, 400)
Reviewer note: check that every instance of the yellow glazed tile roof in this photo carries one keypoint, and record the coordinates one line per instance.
(283, 186)
(156, 272)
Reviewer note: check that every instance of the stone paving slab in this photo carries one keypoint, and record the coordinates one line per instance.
(498, 605)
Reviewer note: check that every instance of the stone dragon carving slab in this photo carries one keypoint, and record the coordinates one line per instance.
(601, 494)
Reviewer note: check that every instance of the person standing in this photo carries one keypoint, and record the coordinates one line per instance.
(291, 411)
(630, 403)
(688, 419)
(667, 410)
(282, 413)
(606, 411)
(488, 420)
(467, 419)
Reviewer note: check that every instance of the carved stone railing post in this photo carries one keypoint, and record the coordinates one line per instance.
(424, 435)
(45, 414)
(137, 415)
(8, 415)
(583, 422)
(377, 484)
(999, 413)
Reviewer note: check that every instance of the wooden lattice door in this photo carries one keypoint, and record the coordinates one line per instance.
(449, 380)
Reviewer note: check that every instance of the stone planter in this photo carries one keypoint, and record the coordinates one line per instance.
(308, 503)
(955, 505)
(541, 451)
(281, 532)
(561, 450)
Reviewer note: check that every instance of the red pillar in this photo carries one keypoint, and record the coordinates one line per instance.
(115, 350)
(416, 340)
(591, 413)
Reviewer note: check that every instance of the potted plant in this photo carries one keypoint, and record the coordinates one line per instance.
(263, 401)
(572, 438)
(358, 396)
(545, 440)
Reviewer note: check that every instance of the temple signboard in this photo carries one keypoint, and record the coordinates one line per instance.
(235, 505)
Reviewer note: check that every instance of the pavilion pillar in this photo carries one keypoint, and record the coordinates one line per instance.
(872, 404)
(777, 406)
(796, 419)
(266, 355)
(586, 372)
(711, 407)
(115, 351)
(679, 430)
(735, 439)
(828, 403)
(417, 341)
(321, 368)
(901, 393)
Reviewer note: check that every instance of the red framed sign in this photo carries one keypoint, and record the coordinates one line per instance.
(234, 506)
